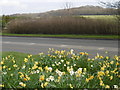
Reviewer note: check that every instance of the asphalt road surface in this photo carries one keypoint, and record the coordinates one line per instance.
(35, 45)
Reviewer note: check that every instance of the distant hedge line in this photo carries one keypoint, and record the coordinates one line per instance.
(63, 25)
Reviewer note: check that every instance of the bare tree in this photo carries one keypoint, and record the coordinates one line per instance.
(68, 6)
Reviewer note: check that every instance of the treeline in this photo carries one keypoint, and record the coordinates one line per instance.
(5, 19)
(63, 25)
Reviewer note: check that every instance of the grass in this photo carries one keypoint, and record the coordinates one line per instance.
(18, 55)
(66, 36)
(59, 69)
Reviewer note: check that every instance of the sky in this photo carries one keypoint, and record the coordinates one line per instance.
(8, 7)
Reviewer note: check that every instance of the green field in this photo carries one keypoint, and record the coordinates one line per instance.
(105, 17)
(99, 16)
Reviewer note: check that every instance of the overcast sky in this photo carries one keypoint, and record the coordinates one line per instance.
(37, 6)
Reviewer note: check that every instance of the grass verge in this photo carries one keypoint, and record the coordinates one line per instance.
(65, 36)
(18, 55)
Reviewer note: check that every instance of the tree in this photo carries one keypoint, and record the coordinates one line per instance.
(68, 6)
(115, 5)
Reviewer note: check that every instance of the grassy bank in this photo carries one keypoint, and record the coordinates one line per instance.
(66, 36)
(59, 69)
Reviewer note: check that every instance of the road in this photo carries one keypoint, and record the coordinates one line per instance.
(35, 45)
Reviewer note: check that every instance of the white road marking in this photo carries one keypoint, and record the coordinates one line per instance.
(101, 48)
(32, 43)
(6, 42)
(63, 45)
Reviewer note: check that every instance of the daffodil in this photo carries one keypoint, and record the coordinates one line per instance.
(1, 85)
(20, 72)
(1, 62)
(115, 86)
(50, 69)
(40, 68)
(80, 70)
(59, 77)
(4, 73)
(117, 63)
(101, 83)
(42, 85)
(101, 73)
(35, 66)
(74, 65)
(42, 77)
(14, 65)
(111, 62)
(22, 84)
(116, 57)
(37, 71)
(67, 62)
(29, 56)
(91, 77)
(102, 68)
(70, 85)
(107, 57)
(11, 74)
(23, 67)
(25, 79)
(71, 72)
(53, 65)
(13, 60)
(51, 78)
(101, 57)
(48, 79)
(22, 75)
(107, 72)
(9, 68)
(82, 53)
(87, 80)
(86, 53)
(71, 51)
(36, 63)
(107, 86)
(111, 77)
(41, 53)
(45, 84)
(25, 60)
(46, 68)
(88, 59)
(4, 67)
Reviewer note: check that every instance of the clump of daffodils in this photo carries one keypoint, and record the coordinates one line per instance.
(60, 69)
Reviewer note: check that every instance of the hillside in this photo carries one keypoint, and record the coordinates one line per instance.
(83, 10)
